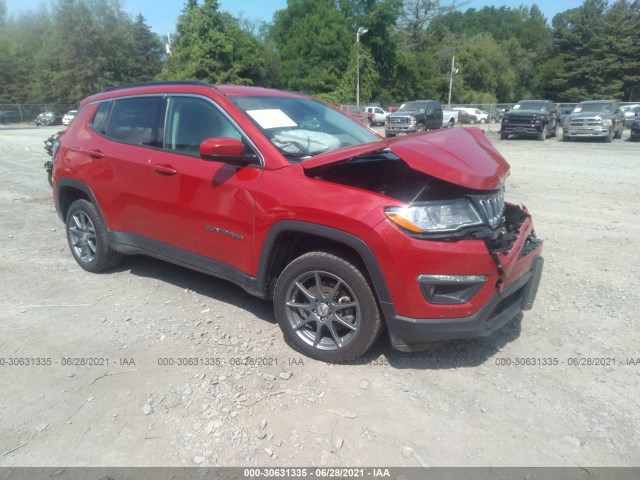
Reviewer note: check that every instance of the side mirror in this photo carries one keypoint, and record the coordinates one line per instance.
(226, 149)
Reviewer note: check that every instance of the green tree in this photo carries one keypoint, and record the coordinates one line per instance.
(313, 41)
(148, 51)
(210, 45)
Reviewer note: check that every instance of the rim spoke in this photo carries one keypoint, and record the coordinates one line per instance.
(316, 341)
(305, 322)
(333, 293)
(318, 284)
(343, 322)
(342, 306)
(305, 292)
(92, 247)
(302, 306)
(76, 220)
(334, 334)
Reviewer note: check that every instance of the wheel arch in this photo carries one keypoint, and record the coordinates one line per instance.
(288, 239)
(68, 191)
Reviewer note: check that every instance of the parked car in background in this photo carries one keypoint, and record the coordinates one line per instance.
(9, 116)
(414, 116)
(359, 113)
(450, 118)
(475, 114)
(392, 108)
(635, 128)
(378, 115)
(48, 118)
(564, 110)
(594, 119)
(630, 112)
(350, 235)
(533, 118)
(69, 116)
(464, 118)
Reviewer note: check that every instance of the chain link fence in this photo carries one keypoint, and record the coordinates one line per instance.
(26, 113)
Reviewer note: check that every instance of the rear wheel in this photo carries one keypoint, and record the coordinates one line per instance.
(87, 236)
(326, 308)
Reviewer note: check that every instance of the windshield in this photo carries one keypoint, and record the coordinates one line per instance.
(530, 105)
(412, 107)
(301, 127)
(596, 107)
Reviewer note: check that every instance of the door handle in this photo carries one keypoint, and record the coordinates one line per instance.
(165, 170)
(97, 154)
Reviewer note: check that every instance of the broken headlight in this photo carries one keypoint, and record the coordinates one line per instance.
(435, 217)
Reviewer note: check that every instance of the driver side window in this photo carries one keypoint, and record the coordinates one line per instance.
(190, 121)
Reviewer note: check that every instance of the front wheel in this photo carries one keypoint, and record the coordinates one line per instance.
(619, 132)
(451, 123)
(420, 127)
(483, 121)
(326, 308)
(87, 236)
(543, 133)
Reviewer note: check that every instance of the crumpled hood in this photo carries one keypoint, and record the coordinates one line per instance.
(462, 156)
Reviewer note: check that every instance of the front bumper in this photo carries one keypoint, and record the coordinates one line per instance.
(590, 132)
(521, 129)
(400, 128)
(410, 334)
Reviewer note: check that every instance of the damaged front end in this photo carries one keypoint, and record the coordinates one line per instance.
(446, 205)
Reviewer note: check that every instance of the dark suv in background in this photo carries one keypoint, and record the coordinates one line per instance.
(414, 116)
(292, 200)
(534, 118)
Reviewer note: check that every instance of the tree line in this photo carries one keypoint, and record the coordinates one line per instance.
(73, 48)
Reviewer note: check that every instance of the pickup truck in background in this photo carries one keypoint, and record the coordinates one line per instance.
(379, 115)
(359, 113)
(594, 119)
(414, 116)
(449, 118)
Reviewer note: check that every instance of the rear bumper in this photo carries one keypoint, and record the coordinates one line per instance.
(412, 334)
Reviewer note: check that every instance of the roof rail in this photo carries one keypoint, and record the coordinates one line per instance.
(160, 82)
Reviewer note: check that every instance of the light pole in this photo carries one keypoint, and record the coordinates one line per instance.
(361, 31)
(454, 70)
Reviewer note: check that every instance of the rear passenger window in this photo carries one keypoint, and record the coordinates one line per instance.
(135, 120)
(100, 118)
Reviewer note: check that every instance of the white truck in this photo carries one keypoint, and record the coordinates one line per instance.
(449, 118)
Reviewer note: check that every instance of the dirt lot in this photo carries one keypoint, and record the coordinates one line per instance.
(461, 404)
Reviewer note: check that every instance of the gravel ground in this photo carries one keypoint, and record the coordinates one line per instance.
(471, 403)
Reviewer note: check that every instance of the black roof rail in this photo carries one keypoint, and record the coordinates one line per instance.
(160, 82)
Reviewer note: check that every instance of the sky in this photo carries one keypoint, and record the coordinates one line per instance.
(161, 15)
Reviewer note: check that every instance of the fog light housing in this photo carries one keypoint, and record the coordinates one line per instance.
(450, 289)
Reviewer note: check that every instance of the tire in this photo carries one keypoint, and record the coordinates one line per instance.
(50, 178)
(609, 138)
(504, 136)
(483, 121)
(420, 127)
(543, 134)
(620, 132)
(307, 300)
(87, 237)
(554, 132)
(451, 123)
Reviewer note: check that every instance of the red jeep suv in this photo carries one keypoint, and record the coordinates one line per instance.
(349, 234)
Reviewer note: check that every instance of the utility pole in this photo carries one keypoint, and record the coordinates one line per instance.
(361, 31)
(454, 70)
